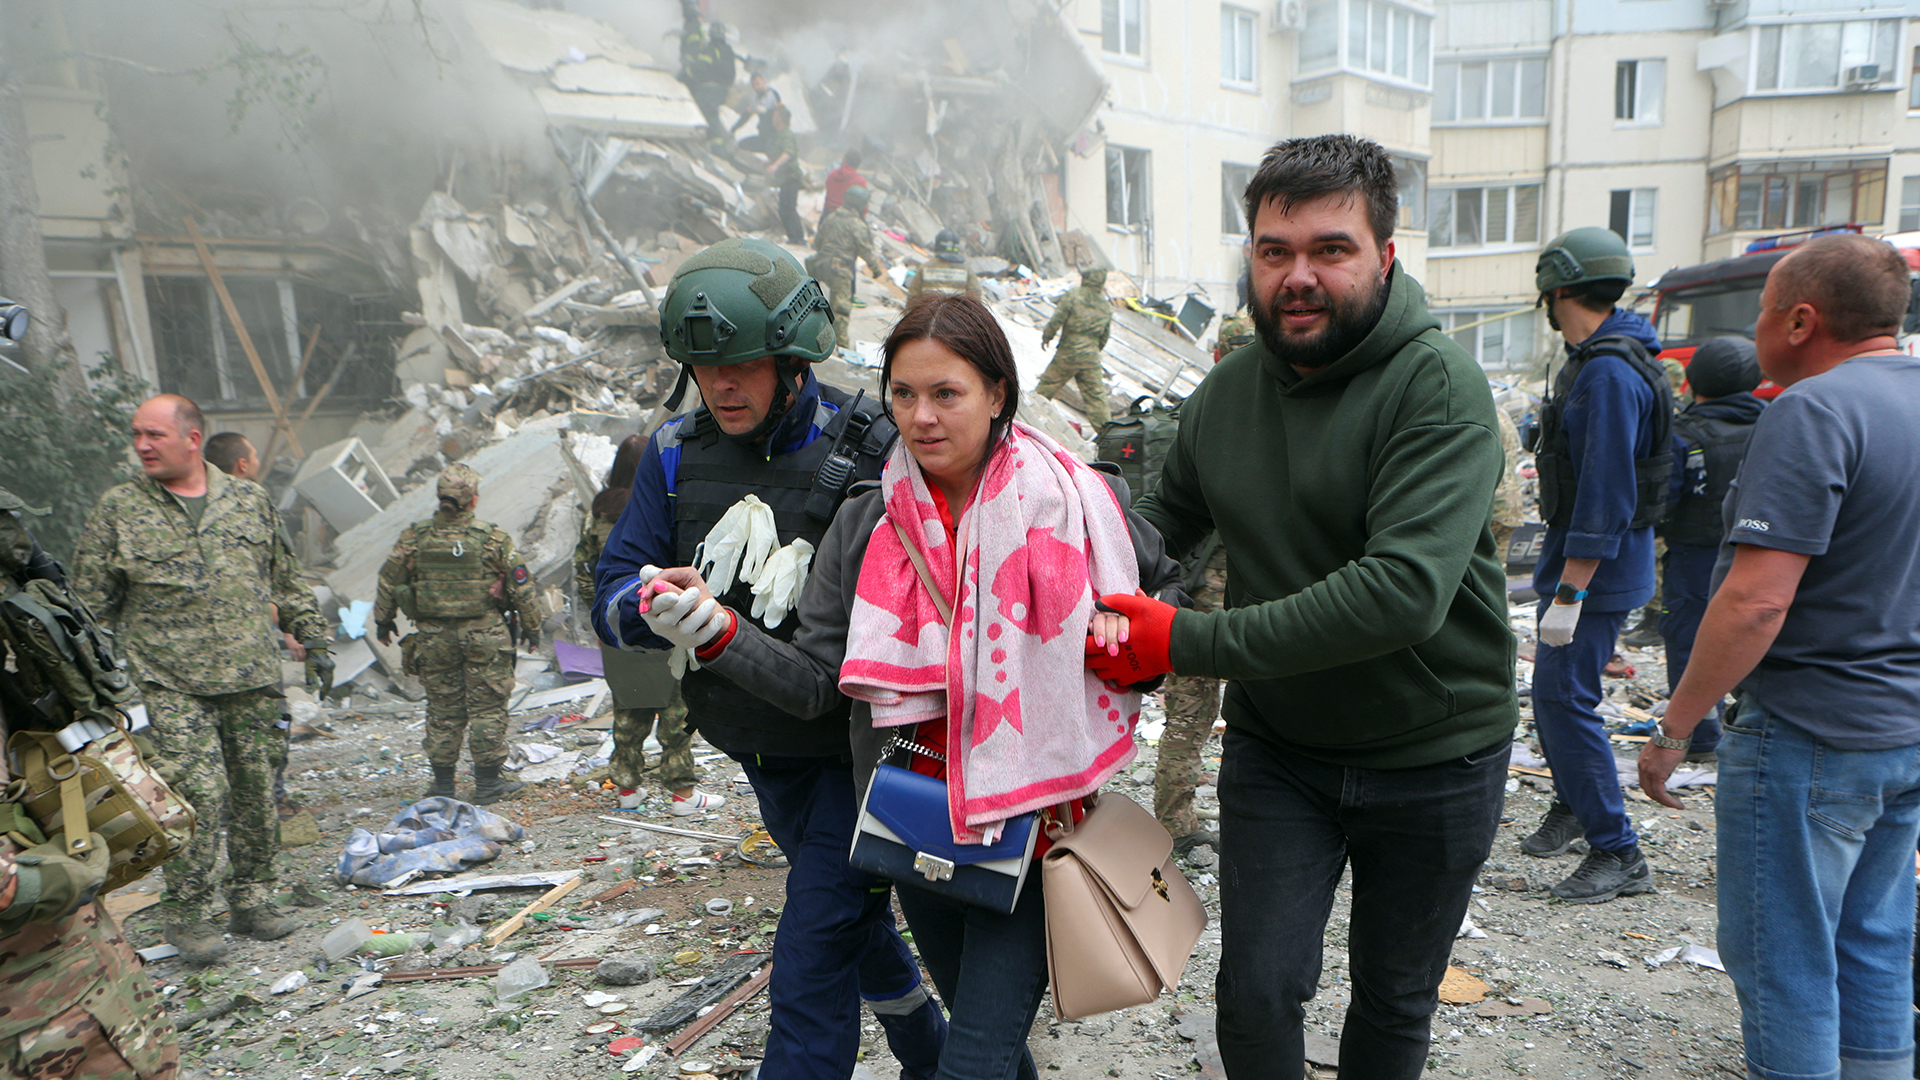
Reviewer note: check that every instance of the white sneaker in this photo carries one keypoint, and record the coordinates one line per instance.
(696, 803)
(630, 799)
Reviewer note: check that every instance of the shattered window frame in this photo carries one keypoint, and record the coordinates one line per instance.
(1779, 195)
(1639, 89)
(1631, 213)
(1234, 178)
(1123, 26)
(1129, 173)
(1239, 47)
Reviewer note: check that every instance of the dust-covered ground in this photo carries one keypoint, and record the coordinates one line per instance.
(1570, 991)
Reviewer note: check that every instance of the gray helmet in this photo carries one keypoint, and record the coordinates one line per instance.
(857, 197)
(946, 246)
(740, 300)
(1583, 255)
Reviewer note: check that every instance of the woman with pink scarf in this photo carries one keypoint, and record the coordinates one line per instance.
(1019, 537)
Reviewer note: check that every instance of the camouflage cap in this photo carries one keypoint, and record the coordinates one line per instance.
(10, 501)
(459, 481)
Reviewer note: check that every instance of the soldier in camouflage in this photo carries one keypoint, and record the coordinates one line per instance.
(75, 1002)
(1193, 704)
(843, 239)
(184, 565)
(947, 272)
(1082, 319)
(457, 579)
(1236, 330)
(1509, 502)
(631, 726)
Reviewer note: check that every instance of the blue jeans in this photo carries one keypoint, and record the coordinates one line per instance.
(1816, 899)
(1288, 824)
(836, 944)
(1566, 699)
(1686, 588)
(990, 970)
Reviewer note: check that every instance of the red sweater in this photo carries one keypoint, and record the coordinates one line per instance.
(838, 181)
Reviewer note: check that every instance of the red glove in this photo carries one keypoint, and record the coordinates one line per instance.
(1143, 655)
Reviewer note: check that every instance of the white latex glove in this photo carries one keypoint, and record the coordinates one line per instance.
(737, 547)
(686, 620)
(1557, 625)
(680, 661)
(777, 591)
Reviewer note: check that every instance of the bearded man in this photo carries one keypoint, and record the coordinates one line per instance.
(1349, 461)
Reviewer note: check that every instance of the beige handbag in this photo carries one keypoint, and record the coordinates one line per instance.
(1122, 920)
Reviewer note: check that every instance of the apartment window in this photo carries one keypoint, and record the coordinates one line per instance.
(1483, 216)
(1797, 194)
(1320, 36)
(1817, 56)
(1632, 215)
(1476, 90)
(1638, 86)
(1910, 204)
(1386, 39)
(1913, 82)
(1498, 344)
(1411, 176)
(1237, 27)
(1121, 23)
(1126, 187)
(1233, 198)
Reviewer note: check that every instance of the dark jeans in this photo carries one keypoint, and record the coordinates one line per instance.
(790, 212)
(990, 970)
(1288, 824)
(1567, 689)
(1686, 587)
(836, 944)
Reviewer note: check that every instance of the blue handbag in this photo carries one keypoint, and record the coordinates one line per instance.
(905, 835)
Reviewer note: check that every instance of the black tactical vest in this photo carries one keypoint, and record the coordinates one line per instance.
(715, 472)
(1715, 448)
(1652, 474)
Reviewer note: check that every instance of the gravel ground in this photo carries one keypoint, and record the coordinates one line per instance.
(1570, 991)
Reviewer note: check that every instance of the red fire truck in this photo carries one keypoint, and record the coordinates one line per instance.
(1695, 303)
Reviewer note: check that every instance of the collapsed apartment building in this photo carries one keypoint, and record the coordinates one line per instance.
(440, 296)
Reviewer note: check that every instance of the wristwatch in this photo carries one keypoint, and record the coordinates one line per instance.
(1567, 594)
(1660, 739)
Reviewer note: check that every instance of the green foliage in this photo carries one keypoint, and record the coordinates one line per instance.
(65, 458)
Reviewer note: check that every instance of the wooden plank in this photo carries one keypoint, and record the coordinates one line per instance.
(121, 905)
(506, 929)
(299, 380)
(246, 340)
(719, 1012)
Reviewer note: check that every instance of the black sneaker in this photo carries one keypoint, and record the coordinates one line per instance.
(1557, 834)
(1604, 875)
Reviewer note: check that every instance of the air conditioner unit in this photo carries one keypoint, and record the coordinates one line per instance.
(1862, 75)
(1288, 15)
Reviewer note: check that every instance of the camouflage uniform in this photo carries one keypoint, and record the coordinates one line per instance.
(843, 238)
(1236, 330)
(1509, 505)
(73, 999)
(1082, 318)
(631, 726)
(1193, 704)
(462, 651)
(74, 1003)
(190, 609)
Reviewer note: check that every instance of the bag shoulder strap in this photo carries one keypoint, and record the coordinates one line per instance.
(926, 575)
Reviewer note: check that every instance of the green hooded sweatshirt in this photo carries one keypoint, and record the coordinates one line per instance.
(1366, 613)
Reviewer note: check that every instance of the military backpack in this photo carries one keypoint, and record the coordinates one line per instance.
(79, 767)
(450, 579)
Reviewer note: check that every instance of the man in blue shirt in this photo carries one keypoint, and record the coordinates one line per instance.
(1605, 462)
(757, 457)
(1818, 807)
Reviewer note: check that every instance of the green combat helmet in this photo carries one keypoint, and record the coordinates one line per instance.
(1094, 277)
(17, 549)
(856, 198)
(738, 301)
(1583, 255)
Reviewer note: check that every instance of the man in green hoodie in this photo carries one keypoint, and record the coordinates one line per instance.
(1348, 458)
